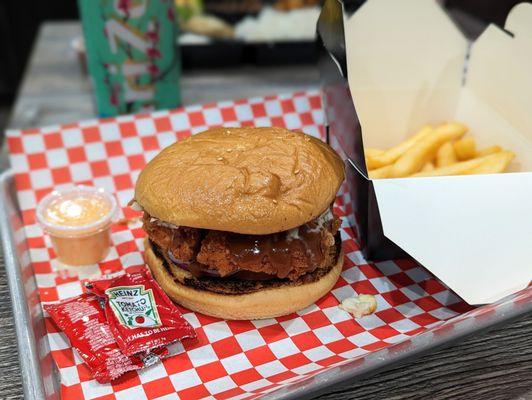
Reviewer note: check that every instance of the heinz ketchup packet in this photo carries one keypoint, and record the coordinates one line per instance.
(140, 315)
(83, 321)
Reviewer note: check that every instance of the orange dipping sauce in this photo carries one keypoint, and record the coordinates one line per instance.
(78, 221)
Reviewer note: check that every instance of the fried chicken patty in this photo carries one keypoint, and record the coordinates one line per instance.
(289, 254)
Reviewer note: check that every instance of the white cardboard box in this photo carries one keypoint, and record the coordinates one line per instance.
(408, 65)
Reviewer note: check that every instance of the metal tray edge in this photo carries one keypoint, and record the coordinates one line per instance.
(33, 385)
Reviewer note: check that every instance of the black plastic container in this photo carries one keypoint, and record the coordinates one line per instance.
(231, 53)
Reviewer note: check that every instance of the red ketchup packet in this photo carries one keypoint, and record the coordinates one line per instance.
(140, 315)
(83, 320)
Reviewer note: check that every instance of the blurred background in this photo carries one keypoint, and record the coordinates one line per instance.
(215, 34)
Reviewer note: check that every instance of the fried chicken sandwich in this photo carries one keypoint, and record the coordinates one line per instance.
(239, 221)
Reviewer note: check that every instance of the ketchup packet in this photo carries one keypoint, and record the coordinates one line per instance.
(140, 315)
(83, 320)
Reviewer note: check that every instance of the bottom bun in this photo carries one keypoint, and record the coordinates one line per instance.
(265, 303)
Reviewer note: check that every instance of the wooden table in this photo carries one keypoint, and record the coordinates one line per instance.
(493, 365)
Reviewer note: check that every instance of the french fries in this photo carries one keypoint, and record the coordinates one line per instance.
(428, 167)
(370, 152)
(381, 172)
(425, 149)
(445, 155)
(374, 161)
(495, 165)
(437, 151)
(489, 150)
(465, 149)
(490, 164)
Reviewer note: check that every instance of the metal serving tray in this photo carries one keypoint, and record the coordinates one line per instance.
(40, 376)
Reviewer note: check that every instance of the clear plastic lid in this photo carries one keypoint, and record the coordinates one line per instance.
(76, 211)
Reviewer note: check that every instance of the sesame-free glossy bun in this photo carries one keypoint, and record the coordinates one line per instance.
(242, 180)
(265, 303)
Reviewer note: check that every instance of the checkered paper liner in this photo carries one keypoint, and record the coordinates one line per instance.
(230, 359)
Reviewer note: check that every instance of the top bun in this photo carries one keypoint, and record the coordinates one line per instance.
(242, 180)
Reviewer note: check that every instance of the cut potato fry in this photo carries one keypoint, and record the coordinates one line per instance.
(492, 163)
(446, 155)
(500, 162)
(380, 173)
(391, 155)
(424, 150)
(370, 152)
(465, 149)
(428, 167)
(489, 150)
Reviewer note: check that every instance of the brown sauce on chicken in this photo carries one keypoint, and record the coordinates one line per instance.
(289, 254)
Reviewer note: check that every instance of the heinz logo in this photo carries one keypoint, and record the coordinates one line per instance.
(134, 306)
(126, 292)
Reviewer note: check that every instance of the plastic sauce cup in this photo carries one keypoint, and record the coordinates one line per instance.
(78, 221)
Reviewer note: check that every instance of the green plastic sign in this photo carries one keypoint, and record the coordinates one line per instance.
(132, 54)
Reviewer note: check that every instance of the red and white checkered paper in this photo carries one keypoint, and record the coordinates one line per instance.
(230, 359)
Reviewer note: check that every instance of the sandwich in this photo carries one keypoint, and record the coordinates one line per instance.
(239, 221)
